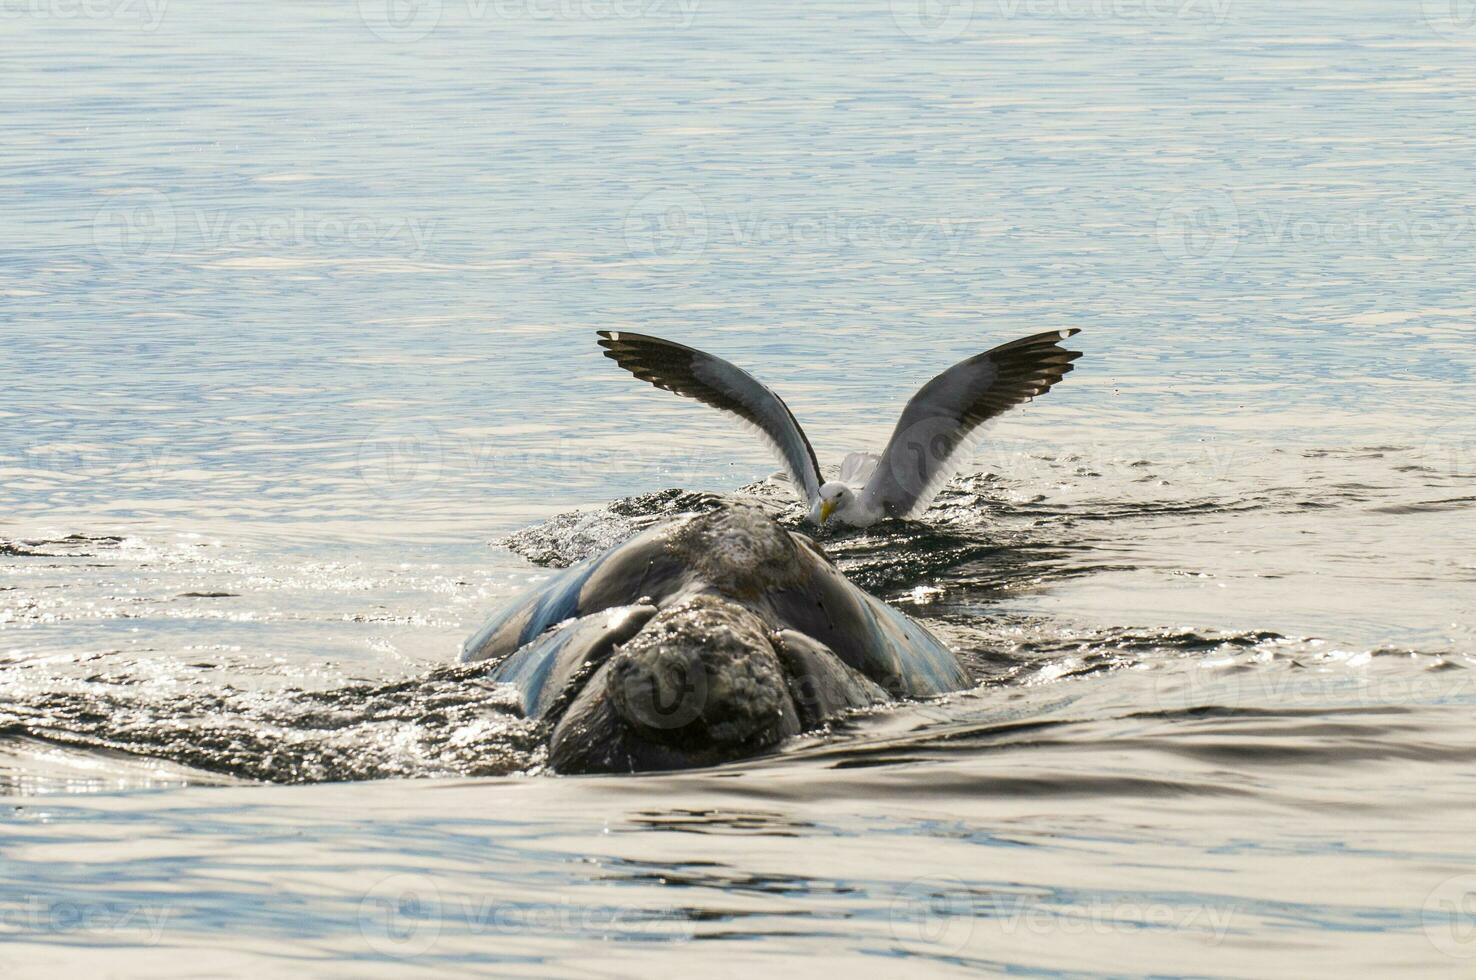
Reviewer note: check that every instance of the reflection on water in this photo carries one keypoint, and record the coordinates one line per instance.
(297, 307)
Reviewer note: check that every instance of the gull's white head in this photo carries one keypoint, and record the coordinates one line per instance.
(834, 496)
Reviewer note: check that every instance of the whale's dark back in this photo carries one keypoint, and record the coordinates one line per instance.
(742, 554)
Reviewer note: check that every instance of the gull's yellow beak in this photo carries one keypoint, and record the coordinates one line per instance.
(827, 507)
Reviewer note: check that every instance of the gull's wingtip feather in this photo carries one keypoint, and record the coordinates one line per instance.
(690, 373)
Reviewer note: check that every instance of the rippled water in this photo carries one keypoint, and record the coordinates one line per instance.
(297, 307)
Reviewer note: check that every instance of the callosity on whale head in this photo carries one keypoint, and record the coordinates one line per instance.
(708, 639)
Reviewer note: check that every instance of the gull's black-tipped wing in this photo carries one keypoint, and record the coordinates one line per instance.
(726, 387)
(934, 435)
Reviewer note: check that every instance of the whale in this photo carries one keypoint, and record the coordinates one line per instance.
(702, 641)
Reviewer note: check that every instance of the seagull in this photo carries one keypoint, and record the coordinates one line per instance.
(934, 437)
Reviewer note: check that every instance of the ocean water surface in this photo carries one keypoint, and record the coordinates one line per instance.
(297, 313)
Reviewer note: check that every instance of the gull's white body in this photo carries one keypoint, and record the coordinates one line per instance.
(846, 494)
(931, 439)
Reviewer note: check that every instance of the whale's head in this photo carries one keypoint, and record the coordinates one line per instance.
(701, 683)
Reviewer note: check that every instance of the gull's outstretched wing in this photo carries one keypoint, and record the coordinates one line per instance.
(933, 437)
(713, 381)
